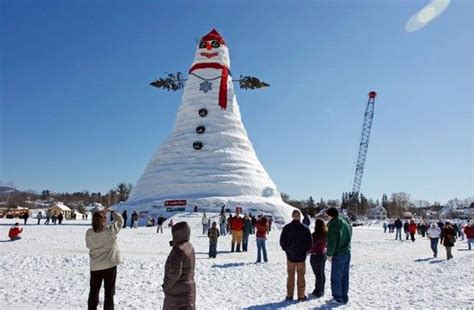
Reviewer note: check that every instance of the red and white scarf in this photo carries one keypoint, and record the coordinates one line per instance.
(224, 76)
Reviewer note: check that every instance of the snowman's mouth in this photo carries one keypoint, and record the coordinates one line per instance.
(209, 55)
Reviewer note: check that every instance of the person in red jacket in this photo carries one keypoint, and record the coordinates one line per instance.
(14, 232)
(412, 229)
(469, 232)
(236, 225)
(261, 235)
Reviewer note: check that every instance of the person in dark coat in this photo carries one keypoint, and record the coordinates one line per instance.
(178, 284)
(160, 222)
(60, 218)
(306, 220)
(246, 232)
(213, 234)
(295, 240)
(125, 217)
(448, 238)
(134, 219)
(405, 230)
(398, 226)
(26, 215)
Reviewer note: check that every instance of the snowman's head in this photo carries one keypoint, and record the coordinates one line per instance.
(212, 48)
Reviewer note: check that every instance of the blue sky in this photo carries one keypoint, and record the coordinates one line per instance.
(77, 112)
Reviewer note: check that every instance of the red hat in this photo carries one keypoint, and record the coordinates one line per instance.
(213, 35)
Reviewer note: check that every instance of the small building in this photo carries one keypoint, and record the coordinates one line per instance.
(407, 215)
(377, 213)
(59, 207)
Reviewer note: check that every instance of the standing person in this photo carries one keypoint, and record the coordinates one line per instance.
(170, 223)
(26, 215)
(60, 218)
(236, 225)
(229, 219)
(134, 222)
(405, 229)
(14, 232)
(412, 229)
(385, 226)
(125, 217)
(246, 232)
(318, 256)
(101, 240)
(222, 224)
(295, 240)
(213, 234)
(469, 232)
(448, 238)
(178, 284)
(339, 254)
(423, 229)
(160, 222)
(433, 233)
(204, 223)
(54, 218)
(254, 223)
(398, 226)
(306, 220)
(39, 217)
(48, 216)
(208, 226)
(261, 235)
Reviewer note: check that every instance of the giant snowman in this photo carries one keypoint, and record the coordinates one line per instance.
(208, 160)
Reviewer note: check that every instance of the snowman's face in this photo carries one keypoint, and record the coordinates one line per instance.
(212, 51)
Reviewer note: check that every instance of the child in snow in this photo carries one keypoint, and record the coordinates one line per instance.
(213, 234)
(14, 232)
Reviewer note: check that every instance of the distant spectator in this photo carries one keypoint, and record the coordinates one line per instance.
(412, 229)
(39, 216)
(54, 218)
(236, 226)
(261, 234)
(48, 217)
(26, 215)
(213, 234)
(125, 217)
(160, 222)
(398, 226)
(171, 223)
(406, 230)
(222, 225)
(134, 221)
(246, 232)
(448, 238)
(469, 232)
(385, 226)
(433, 233)
(204, 221)
(60, 218)
(14, 232)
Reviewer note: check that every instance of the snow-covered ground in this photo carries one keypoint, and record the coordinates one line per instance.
(49, 269)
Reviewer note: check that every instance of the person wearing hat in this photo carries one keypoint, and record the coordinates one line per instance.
(339, 254)
(101, 240)
(178, 283)
(14, 232)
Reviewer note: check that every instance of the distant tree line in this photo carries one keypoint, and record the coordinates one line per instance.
(115, 195)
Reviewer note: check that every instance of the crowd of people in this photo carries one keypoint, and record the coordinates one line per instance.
(327, 243)
(445, 233)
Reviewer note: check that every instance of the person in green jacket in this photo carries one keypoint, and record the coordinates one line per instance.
(339, 254)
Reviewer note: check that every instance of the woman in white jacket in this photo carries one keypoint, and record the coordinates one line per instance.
(433, 233)
(104, 254)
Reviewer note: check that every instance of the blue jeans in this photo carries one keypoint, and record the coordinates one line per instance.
(204, 229)
(398, 234)
(261, 247)
(212, 248)
(245, 242)
(340, 277)
(222, 229)
(469, 241)
(434, 245)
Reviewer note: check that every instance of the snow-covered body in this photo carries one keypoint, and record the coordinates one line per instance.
(226, 169)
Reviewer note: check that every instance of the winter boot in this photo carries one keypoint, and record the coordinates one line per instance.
(232, 248)
(238, 247)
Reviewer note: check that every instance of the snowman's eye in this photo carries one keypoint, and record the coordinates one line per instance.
(202, 44)
(215, 44)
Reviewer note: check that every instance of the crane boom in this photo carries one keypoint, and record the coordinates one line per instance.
(364, 143)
